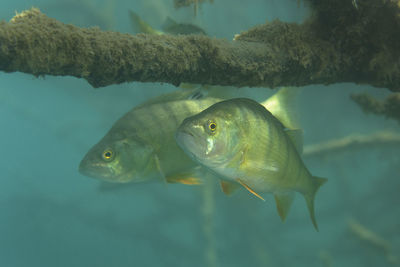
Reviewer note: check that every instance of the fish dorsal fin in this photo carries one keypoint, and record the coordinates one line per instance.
(249, 189)
(296, 136)
(213, 91)
(228, 187)
(284, 107)
(283, 203)
(180, 94)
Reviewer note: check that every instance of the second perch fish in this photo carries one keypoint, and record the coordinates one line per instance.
(244, 143)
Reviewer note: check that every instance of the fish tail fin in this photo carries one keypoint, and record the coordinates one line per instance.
(317, 182)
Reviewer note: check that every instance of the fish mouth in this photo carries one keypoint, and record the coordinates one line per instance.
(190, 143)
(92, 170)
(99, 171)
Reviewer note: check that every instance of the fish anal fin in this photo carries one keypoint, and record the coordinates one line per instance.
(249, 189)
(283, 203)
(228, 187)
(296, 136)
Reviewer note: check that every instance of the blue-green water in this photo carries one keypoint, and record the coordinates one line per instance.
(53, 216)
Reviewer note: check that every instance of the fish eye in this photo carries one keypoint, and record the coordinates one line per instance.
(212, 126)
(108, 154)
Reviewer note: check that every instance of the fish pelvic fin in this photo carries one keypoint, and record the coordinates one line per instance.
(184, 178)
(189, 177)
(249, 189)
(283, 203)
(317, 182)
(228, 187)
(160, 172)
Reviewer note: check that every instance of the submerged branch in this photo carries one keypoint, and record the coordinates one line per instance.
(195, 3)
(390, 107)
(369, 237)
(323, 50)
(351, 142)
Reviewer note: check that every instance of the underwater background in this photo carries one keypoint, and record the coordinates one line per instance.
(53, 216)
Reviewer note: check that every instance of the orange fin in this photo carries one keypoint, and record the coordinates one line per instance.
(228, 187)
(249, 189)
(184, 178)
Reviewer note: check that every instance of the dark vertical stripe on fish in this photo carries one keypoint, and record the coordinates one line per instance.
(287, 156)
(171, 114)
(299, 169)
(140, 121)
(159, 119)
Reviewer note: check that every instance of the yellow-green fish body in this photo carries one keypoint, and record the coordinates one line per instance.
(140, 146)
(243, 142)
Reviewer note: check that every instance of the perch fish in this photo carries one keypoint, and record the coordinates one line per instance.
(240, 140)
(140, 146)
(170, 26)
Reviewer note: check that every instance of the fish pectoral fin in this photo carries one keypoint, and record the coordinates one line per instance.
(228, 187)
(249, 189)
(243, 155)
(296, 136)
(187, 178)
(283, 203)
(162, 176)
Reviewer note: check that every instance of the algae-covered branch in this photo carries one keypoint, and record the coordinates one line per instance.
(340, 42)
(390, 107)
